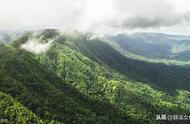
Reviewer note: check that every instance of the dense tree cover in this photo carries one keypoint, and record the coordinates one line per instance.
(161, 76)
(20, 40)
(140, 101)
(45, 94)
(84, 80)
(13, 112)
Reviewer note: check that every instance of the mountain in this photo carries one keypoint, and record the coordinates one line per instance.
(159, 75)
(85, 64)
(154, 45)
(6, 35)
(45, 94)
(79, 78)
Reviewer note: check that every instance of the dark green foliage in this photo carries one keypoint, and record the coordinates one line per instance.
(45, 94)
(161, 76)
(49, 33)
(140, 101)
(21, 40)
(13, 112)
(86, 81)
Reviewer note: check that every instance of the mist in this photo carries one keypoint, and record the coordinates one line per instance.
(35, 46)
(99, 16)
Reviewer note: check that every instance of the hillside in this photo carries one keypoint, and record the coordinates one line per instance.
(13, 112)
(165, 77)
(47, 96)
(95, 78)
(138, 100)
(91, 80)
(94, 62)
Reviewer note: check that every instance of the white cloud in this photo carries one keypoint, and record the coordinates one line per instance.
(96, 15)
(35, 46)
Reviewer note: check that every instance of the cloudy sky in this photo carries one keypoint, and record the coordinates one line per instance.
(167, 16)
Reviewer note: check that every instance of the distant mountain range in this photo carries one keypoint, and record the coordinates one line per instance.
(153, 45)
(8, 35)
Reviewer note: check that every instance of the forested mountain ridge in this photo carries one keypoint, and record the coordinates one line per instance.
(41, 91)
(110, 88)
(162, 76)
(68, 60)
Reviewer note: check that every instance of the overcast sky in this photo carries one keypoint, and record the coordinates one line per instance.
(167, 16)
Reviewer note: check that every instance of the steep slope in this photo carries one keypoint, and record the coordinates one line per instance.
(13, 112)
(47, 96)
(159, 75)
(140, 101)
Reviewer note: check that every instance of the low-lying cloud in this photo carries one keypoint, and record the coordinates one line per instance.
(35, 46)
